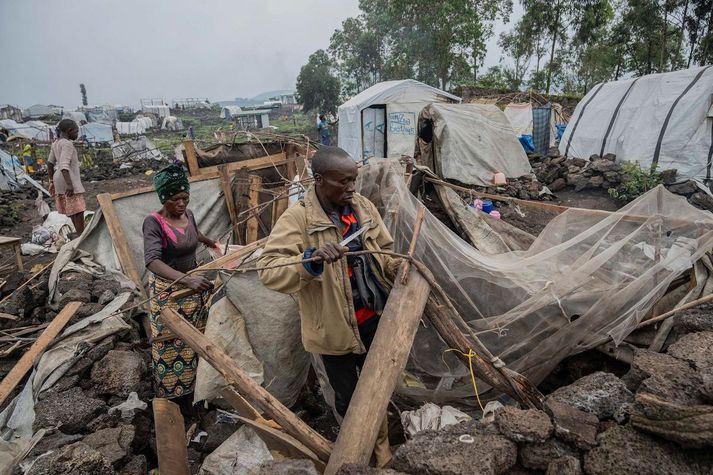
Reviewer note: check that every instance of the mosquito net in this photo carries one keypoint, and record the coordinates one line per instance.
(589, 277)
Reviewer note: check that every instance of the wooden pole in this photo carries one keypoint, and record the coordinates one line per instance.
(121, 244)
(191, 158)
(227, 188)
(13, 378)
(255, 183)
(242, 190)
(383, 366)
(245, 385)
(170, 438)
(412, 245)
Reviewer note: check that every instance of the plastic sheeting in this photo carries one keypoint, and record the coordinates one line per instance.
(139, 149)
(470, 143)
(97, 133)
(520, 117)
(584, 280)
(635, 118)
(403, 99)
(13, 176)
(31, 129)
(131, 128)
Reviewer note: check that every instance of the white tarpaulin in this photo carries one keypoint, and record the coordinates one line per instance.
(659, 118)
(403, 100)
(470, 143)
(520, 117)
(95, 133)
(131, 128)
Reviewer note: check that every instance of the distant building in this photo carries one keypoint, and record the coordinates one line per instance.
(192, 103)
(8, 111)
(252, 119)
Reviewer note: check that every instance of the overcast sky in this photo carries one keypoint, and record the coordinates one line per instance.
(124, 50)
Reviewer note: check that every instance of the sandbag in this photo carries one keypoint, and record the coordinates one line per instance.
(272, 320)
(225, 328)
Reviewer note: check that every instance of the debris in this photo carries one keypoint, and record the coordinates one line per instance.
(243, 452)
(119, 373)
(539, 455)
(128, 407)
(689, 426)
(75, 459)
(170, 438)
(69, 411)
(599, 393)
(567, 465)
(519, 425)
(573, 426)
(288, 467)
(663, 375)
(623, 449)
(431, 417)
(442, 452)
(114, 444)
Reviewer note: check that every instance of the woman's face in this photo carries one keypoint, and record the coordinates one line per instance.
(177, 204)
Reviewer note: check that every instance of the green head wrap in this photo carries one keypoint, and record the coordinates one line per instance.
(170, 181)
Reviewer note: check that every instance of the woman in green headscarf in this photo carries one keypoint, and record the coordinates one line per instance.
(170, 241)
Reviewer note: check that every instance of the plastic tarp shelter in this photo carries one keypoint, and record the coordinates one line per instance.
(31, 130)
(131, 128)
(381, 120)
(520, 115)
(469, 143)
(13, 176)
(76, 116)
(96, 132)
(160, 110)
(663, 119)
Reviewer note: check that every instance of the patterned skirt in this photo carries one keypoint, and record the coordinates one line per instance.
(70, 205)
(174, 362)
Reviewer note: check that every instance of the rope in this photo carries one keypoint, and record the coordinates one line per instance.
(470, 355)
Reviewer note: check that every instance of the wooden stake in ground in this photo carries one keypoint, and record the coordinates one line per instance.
(13, 378)
(383, 366)
(245, 385)
(170, 438)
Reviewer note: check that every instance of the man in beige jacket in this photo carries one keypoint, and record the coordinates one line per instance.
(340, 297)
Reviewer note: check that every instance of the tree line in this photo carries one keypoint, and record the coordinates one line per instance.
(564, 46)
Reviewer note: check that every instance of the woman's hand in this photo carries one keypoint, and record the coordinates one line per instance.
(69, 190)
(50, 187)
(197, 283)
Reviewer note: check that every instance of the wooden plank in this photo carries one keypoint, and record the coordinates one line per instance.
(279, 207)
(242, 190)
(150, 189)
(13, 378)
(227, 187)
(286, 444)
(240, 404)
(170, 438)
(382, 369)
(255, 183)
(252, 164)
(192, 158)
(121, 244)
(18, 258)
(245, 385)
(8, 240)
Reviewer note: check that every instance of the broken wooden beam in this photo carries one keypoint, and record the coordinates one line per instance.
(227, 186)
(382, 369)
(255, 183)
(170, 438)
(245, 385)
(191, 158)
(13, 378)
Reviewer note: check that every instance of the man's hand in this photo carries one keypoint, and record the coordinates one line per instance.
(198, 283)
(330, 252)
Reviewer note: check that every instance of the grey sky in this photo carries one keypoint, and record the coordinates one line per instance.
(124, 50)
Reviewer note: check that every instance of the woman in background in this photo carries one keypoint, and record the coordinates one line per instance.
(63, 172)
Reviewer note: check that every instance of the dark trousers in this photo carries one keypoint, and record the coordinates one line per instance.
(343, 370)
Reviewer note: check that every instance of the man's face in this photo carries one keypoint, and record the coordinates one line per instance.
(338, 184)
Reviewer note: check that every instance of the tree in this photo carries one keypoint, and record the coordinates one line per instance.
(519, 46)
(699, 26)
(83, 90)
(317, 85)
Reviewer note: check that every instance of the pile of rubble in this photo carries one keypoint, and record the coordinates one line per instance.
(603, 173)
(657, 418)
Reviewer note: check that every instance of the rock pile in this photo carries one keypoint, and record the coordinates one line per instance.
(656, 419)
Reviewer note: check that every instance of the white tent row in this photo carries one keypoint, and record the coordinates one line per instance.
(664, 119)
(381, 120)
(160, 110)
(137, 126)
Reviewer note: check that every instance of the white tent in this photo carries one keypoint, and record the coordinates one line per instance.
(469, 143)
(131, 128)
(160, 110)
(227, 112)
(381, 121)
(520, 116)
(32, 129)
(660, 118)
(95, 133)
(76, 116)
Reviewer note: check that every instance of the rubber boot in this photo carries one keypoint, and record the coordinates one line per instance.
(382, 449)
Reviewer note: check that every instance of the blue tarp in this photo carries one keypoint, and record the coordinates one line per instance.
(560, 131)
(527, 143)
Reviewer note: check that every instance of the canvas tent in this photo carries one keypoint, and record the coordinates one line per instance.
(662, 118)
(469, 143)
(381, 121)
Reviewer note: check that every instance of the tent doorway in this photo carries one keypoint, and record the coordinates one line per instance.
(373, 132)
